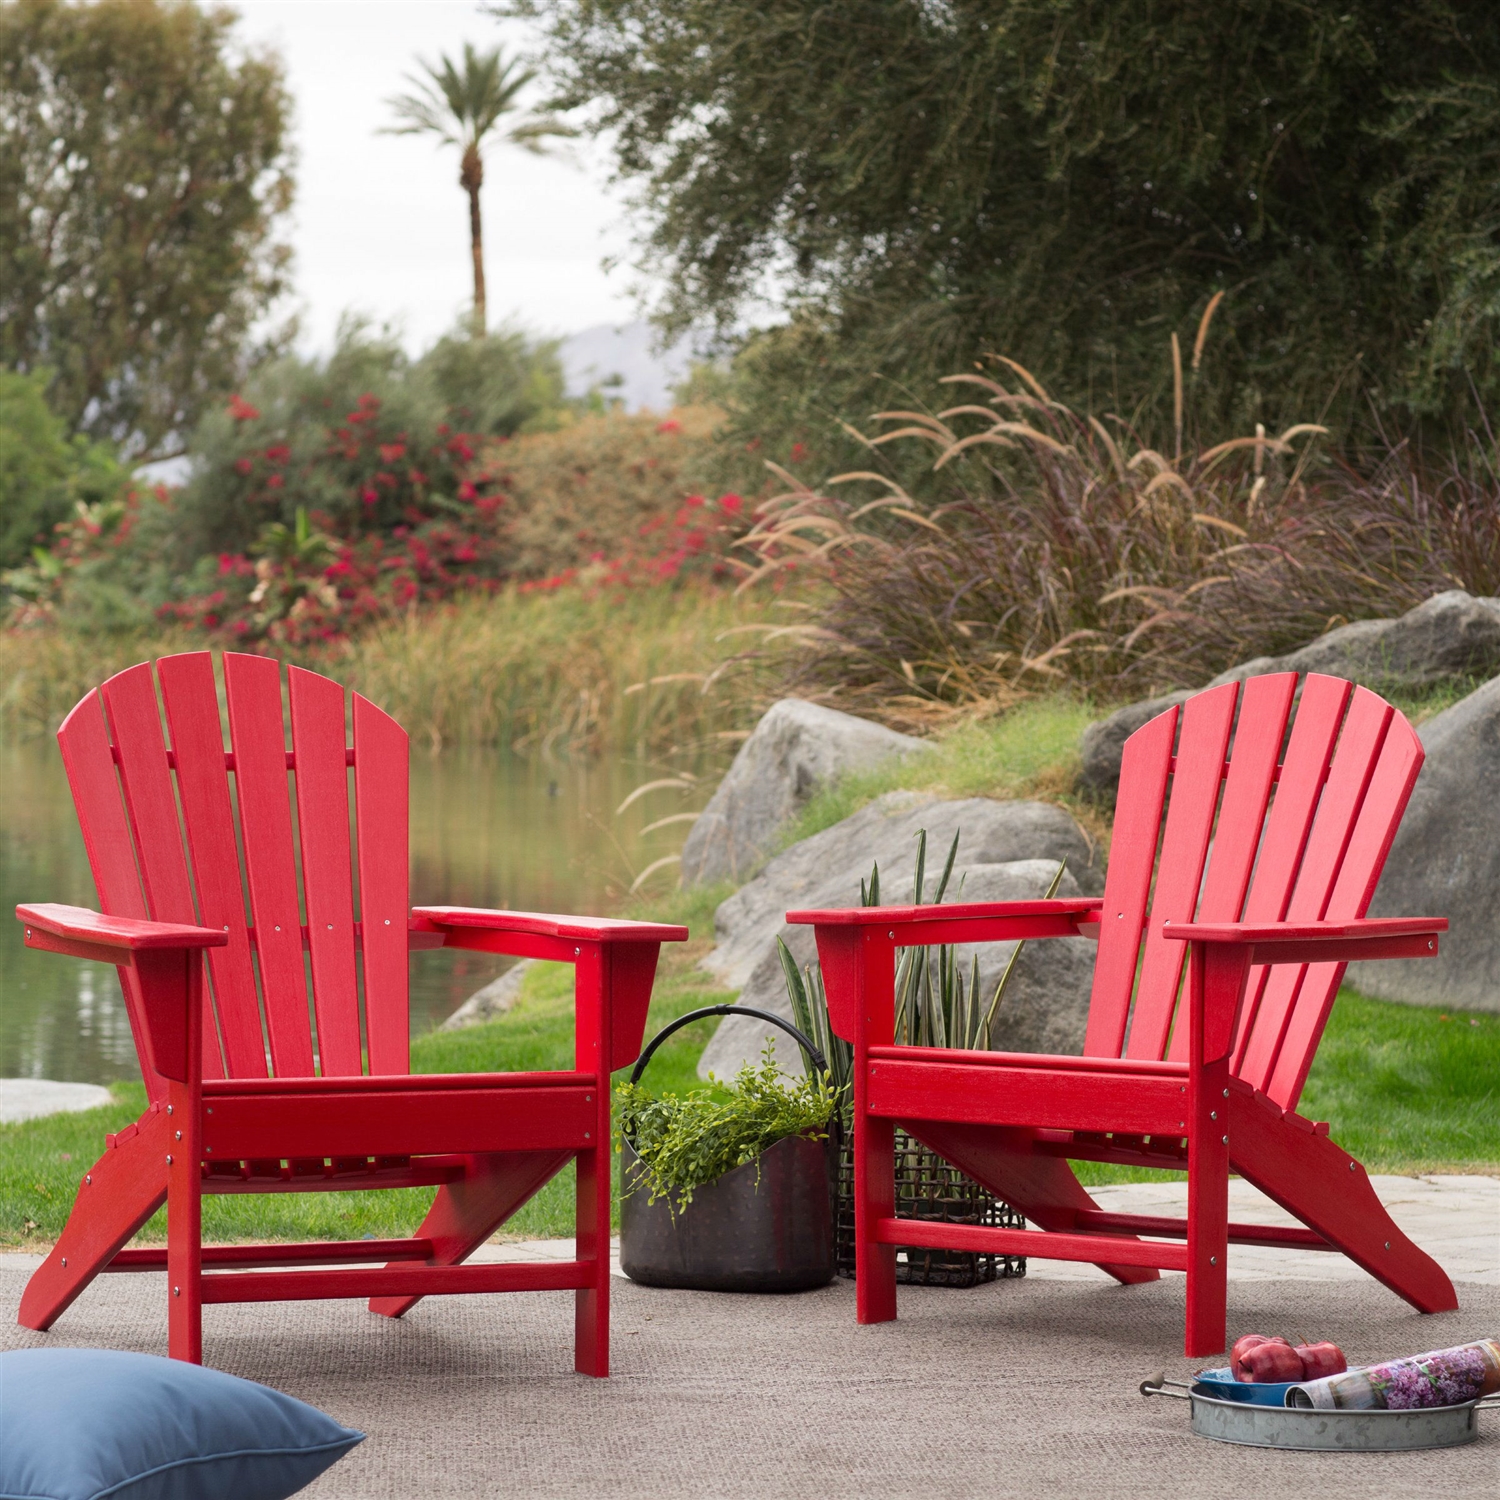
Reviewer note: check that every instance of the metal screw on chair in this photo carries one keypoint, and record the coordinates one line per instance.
(169, 1160)
(179, 1135)
(1226, 1140)
(387, 921)
(1213, 1260)
(1226, 1093)
(1213, 1114)
(585, 1135)
(169, 1109)
(1387, 1246)
(88, 1178)
(176, 1291)
(1351, 1166)
(65, 1258)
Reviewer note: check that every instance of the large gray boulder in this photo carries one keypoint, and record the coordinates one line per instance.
(1007, 851)
(796, 748)
(492, 1001)
(1445, 862)
(1452, 634)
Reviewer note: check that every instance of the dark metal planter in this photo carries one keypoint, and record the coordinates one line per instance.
(766, 1226)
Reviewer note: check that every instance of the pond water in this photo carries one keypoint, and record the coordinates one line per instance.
(486, 830)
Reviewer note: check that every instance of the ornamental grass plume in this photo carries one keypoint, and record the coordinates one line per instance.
(1058, 549)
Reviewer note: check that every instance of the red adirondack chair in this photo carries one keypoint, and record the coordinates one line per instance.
(246, 1094)
(1267, 933)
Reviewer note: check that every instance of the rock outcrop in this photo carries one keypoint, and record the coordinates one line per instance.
(1007, 851)
(493, 1000)
(1445, 862)
(796, 748)
(1452, 634)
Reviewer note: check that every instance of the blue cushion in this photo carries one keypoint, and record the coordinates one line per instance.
(80, 1424)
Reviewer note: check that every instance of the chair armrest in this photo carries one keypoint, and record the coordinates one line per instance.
(962, 921)
(166, 965)
(547, 924)
(68, 929)
(614, 960)
(1318, 942)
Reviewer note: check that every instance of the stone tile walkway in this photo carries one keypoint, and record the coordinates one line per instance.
(1455, 1219)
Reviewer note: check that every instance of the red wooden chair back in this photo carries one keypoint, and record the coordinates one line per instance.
(1335, 799)
(232, 845)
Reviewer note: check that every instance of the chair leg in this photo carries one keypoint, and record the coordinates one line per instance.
(1208, 1211)
(184, 1233)
(591, 1303)
(1043, 1188)
(117, 1195)
(874, 1198)
(465, 1213)
(1319, 1182)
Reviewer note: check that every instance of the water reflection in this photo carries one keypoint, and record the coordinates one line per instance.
(486, 830)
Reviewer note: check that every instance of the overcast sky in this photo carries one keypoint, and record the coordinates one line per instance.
(380, 223)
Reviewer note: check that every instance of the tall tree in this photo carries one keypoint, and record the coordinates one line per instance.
(464, 105)
(144, 168)
(1067, 182)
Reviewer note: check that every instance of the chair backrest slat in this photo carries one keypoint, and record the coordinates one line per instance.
(90, 766)
(322, 781)
(256, 731)
(1207, 720)
(381, 796)
(151, 804)
(1384, 801)
(1348, 777)
(1260, 728)
(1144, 768)
(1320, 712)
(192, 704)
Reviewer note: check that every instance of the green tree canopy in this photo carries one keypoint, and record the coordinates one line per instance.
(1068, 182)
(144, 164)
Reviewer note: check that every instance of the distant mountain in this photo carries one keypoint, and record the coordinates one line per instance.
(591, 357)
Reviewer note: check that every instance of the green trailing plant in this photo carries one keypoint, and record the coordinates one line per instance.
(937, 1003)
(685, 1141)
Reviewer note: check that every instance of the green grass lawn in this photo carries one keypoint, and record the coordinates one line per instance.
(1405, 1090)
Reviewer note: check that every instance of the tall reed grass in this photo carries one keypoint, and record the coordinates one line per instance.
(647, 670)
(1051, 547)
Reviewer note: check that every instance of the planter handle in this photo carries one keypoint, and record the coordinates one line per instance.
(814, 1055)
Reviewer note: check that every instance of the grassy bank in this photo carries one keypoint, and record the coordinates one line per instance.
(569, 667)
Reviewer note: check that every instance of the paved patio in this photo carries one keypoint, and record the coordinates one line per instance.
(1021, 1388)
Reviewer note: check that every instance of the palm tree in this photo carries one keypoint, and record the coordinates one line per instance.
(462, 106)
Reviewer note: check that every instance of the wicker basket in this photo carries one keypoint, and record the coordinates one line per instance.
(927, 1187)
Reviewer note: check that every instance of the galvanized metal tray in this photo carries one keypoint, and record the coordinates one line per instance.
(1322, 1431)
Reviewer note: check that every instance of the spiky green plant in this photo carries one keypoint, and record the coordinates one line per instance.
(937, 1003)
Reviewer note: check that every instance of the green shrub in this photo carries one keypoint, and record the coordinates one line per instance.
(687, 1141)
(43, 473)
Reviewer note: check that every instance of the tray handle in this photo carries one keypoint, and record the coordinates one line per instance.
(1156, 1385)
